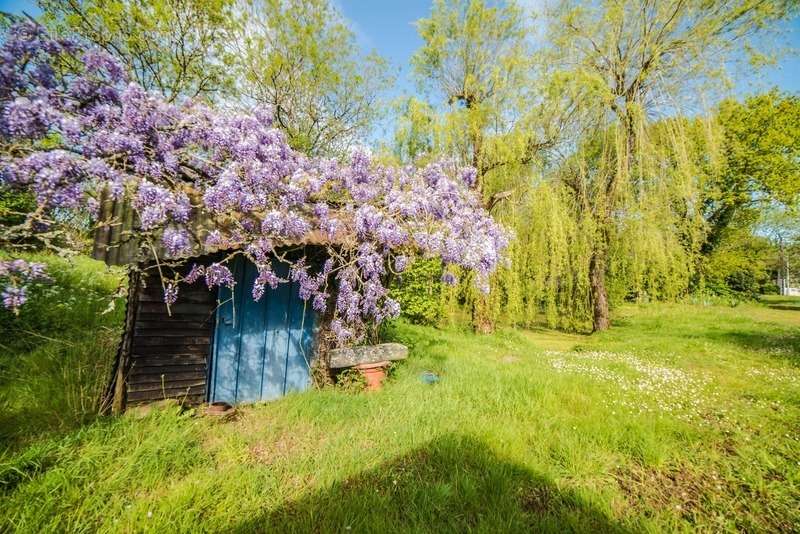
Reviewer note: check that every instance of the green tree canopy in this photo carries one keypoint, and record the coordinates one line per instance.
(625, 62)
(761, 162)
(478, 59)
(174, 47)
(300, 58)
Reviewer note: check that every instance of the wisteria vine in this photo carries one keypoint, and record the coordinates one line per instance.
(73, 128)
(15, 277)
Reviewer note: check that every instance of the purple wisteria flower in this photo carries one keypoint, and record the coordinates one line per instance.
(90, 132)
(218, 275)
(176, 242)
(194, 274)
(449, 279)
(97, 61)
(266, 277)
(14, 297)
(320, 302)
(400, 263)
(170, 293)
(15, 276)
(469, 176)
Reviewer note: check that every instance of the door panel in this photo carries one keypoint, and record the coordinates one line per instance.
(277, 335)
(251, 344)
(297, 359)
(260, 348)
(224, 368)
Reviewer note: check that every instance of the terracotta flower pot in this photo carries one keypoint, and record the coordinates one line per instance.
(374, 374)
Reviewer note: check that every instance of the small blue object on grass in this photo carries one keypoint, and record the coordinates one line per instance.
(429, 378)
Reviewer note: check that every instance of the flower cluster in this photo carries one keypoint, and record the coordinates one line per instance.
(106, 135)
(215, 275)
(15, 275)
(640, 386)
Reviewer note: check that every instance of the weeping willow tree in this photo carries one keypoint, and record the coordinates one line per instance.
(601, 179)
(477, 64)
(651, 238)
(627, 62)
(548, 272)
(659, 228)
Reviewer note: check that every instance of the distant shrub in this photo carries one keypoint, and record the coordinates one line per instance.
(419, 292)
(770, 289)
(740, 267)
(13, 206)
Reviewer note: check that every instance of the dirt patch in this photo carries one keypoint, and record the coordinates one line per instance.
(287, 444)
(677, 488)
(536, 499)
(698, 497)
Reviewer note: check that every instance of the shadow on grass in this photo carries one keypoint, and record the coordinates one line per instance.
(781, 302)
(452, 484)
(789, 307)
(20, 427)
(779, 345)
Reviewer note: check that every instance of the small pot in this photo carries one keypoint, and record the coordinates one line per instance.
(374, 374)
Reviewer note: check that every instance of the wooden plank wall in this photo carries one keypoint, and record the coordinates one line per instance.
(170, 353)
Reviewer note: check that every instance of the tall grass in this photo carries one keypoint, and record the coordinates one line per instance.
(55, 357)
(681, 418)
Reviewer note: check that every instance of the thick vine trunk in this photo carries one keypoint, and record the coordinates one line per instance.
(599, 294)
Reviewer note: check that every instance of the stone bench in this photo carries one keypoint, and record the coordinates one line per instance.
(367, 354)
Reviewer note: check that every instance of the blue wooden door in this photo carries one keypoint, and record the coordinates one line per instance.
(261, 349)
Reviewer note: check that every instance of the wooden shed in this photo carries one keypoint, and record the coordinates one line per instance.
(211, 345)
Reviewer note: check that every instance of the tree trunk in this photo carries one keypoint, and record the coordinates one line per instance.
(482, 322)
(599, 294)
(481, 319)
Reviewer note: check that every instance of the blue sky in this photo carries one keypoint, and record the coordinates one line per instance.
(387, 26)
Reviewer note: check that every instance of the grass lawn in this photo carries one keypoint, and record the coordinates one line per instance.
(682, 417)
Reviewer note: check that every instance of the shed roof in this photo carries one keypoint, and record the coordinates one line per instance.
(115, 240)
